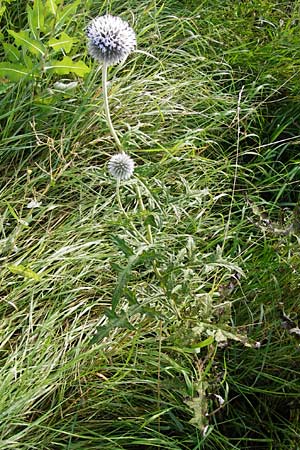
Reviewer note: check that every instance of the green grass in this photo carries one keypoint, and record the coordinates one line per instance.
(114, 339)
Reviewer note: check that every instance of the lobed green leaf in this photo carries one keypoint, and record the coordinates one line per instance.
(11, 52)
(14, 71)
(64, 42)
(22, 39)
(66, 66)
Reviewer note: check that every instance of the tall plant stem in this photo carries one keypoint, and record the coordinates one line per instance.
(106, 106)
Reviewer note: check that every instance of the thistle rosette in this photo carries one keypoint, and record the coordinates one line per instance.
(121, 166)
(110, 39)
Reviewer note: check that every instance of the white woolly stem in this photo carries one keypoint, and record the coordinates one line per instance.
(106, 107)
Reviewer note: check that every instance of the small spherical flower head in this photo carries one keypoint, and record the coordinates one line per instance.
(121, 166)
(110, 39)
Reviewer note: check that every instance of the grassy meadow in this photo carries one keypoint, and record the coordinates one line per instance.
(160, 312)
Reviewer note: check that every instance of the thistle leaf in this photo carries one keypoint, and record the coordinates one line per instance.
(11, 52)
(36, 18)
(121, 244)
(66, 66)
(14, 71)
(64, 42)
(22, 39)
(51, 7)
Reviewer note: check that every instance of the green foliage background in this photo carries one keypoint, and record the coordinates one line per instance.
(162, 313)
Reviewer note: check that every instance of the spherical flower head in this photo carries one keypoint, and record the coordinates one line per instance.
(121, 166)
(110, 39)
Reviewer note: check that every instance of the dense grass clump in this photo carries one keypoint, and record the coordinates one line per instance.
(162, 311)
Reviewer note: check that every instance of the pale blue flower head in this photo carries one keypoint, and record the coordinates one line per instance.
(110, 39)
(121, 166)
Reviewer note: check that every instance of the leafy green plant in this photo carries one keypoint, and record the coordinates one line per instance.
(173, 326)
(44, 46)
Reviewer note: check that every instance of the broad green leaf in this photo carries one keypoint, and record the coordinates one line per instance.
(24, 271)
(51, 7)
(36, 17)
(115, 321)
(66, 65)
(28, 61)
(122, 281)
(14, 71)
(22, 38)
(195, 348)
(121, 244)
(38, 14)
(139, 257)
(30, 19)
(64, 42)
(11, 52)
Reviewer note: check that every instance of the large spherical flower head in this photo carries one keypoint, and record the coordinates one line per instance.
(111, 39)
(121, 166)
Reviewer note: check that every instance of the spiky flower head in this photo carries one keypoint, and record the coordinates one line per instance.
(110, 39)
(121, 166)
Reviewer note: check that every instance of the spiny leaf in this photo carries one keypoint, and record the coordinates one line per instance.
(121, 244)
(22, 39)
(198, 405)
(38, 10)
(51, 7)
(124, 275)
(14, 71)
(11, 52)
(114, 321)
(28, 61)
(64, 42)
(67, 65)
(122, 281)
(195, 348)
(36, 17)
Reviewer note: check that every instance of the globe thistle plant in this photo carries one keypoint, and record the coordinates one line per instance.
(110, 41)
(121, 166)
